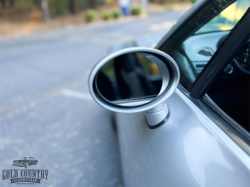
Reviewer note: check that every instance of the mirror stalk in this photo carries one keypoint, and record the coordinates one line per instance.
(157, 116)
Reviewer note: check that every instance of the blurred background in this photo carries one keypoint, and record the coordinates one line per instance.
(19, 17)
(47, 49)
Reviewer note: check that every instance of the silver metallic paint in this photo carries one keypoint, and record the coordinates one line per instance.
(188, 150)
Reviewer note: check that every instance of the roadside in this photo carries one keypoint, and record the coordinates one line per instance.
(34, 23)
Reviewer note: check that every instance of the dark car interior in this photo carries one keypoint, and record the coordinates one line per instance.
(231, 90)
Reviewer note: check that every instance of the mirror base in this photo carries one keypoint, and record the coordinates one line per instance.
(157, 116)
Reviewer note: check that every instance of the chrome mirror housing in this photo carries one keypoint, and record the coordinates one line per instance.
(135, 80)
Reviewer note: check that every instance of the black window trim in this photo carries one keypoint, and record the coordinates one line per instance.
(231, 45)
(197, 7)
(194, 14)
(224, 54)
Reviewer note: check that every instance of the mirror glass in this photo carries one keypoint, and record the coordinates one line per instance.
(129, 78)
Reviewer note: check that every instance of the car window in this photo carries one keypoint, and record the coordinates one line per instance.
(231, 89)
(193, 45)
(227, 19)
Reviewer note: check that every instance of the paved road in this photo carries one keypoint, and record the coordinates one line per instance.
(45, 109)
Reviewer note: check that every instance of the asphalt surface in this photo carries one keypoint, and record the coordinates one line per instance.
(46, 111)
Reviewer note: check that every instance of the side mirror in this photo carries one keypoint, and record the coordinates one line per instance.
(135, 80)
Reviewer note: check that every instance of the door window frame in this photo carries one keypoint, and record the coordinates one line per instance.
(231, 45)
(224, 54)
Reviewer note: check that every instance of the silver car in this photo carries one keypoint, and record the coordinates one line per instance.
(182, 109)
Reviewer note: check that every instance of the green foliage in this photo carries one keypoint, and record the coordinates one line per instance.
(22, 6)
(106, 16)
(136, 11)
(90, 15)
(58, 7)
(116, 14)
(193, 1)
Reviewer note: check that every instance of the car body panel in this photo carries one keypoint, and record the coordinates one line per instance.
(188, 150)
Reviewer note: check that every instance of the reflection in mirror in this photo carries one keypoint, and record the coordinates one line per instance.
(129, 77)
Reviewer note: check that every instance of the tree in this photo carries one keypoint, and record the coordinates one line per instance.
(45, 9)
(92, 3)
(3, 3)
(12, 2)
(72, 6)
(43, 6)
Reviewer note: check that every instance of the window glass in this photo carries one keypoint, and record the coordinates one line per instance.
(227, 19)
(231, 89)
(193, 45)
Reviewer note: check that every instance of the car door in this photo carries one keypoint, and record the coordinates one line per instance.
(199, 145)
